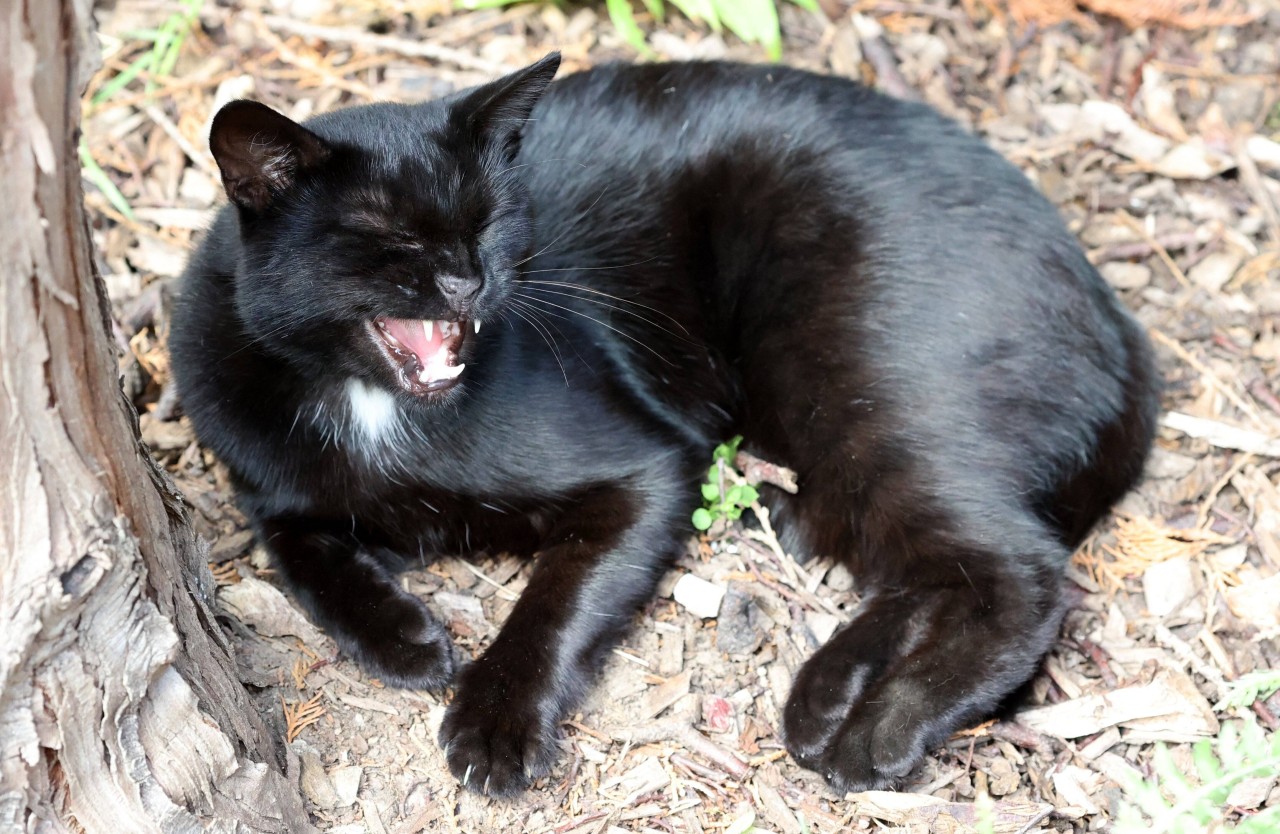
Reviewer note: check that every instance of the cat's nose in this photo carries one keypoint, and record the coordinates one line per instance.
(459, 291)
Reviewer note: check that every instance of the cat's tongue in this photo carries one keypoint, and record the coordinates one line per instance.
(426, 348)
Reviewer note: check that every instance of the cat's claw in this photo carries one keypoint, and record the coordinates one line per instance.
(496, 741)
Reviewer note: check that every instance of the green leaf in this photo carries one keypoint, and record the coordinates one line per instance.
(483, 4)
(710, 492)
(755, 21)
(808, 5)
(728, 450)
(749, 494)
(1207, 765)
(122, 79)
(624, 20)
(656, 9)
(94, 173)
(742, 824)
(713, 474)
(702, 519)
(699, 10)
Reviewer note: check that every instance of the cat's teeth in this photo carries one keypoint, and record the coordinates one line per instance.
(427, 329)
(450, 371)
(477, 324)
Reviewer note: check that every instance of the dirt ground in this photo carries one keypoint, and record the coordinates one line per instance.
(1158, 145)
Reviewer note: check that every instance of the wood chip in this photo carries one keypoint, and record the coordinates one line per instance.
(367, 704)
(1010, 815)
(665, 694)
(262, 606)
(1182, 712)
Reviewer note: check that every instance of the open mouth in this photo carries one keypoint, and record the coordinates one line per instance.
(422, 352)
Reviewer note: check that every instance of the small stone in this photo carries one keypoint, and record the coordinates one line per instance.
(1167, 585)
(821, 625)
(1215, 270)
(346, 782)
(315, 782)
(1166, 464)
(1003, 777)
(1123, 275)
(717, 713)
(463, 613)
(839, 578)
(741, 626)
(701, 597)
(230, 546)
(1249, 794)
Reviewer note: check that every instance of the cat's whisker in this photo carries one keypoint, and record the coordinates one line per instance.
(624, 335)
(568, 229)
(622, 310)
(588, 268)
(592, 291)
(539, 162)
(545, 337)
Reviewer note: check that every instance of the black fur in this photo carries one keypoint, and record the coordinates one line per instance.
(664, 256)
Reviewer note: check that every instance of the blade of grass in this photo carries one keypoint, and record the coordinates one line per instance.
(102, 181)
(624, 20)
(656, 9)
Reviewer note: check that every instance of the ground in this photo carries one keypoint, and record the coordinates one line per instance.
(1157, 143)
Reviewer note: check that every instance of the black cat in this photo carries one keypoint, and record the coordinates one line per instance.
(660, 256)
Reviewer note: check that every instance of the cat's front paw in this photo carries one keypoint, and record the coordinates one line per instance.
(497, 739)
(401, 644)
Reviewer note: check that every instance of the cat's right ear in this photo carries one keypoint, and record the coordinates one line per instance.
(496, 112)
(261, 152)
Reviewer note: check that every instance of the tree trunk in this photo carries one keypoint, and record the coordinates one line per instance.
(120, 709)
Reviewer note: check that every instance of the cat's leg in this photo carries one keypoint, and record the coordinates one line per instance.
(918, 664)
(357, 601)
(600, 564)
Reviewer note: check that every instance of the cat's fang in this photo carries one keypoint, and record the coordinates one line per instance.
(477, 324)
(427, 327)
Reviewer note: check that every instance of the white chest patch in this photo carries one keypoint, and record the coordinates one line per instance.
(373, 411)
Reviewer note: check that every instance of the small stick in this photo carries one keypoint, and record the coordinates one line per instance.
(1252, 182)
(383, 43)
(881, 57)
(707, 748)
(1213, 379)
(1135, 224)
(756, 470)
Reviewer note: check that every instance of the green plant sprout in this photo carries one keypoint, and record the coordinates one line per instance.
(1255, 686)
(754, 21)
(726, 493)
(1220, 764)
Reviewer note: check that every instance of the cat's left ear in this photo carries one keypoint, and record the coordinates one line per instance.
(496, 112)
(261, 152)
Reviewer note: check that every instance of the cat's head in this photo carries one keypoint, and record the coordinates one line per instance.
(376, 240)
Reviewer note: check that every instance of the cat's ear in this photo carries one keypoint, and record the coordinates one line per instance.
(261, 152)
(495, 113)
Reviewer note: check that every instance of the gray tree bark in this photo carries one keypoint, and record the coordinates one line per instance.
(120, 709)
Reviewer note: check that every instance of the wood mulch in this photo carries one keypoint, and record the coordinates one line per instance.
(1159, 145)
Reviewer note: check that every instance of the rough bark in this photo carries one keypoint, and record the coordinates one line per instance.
(120, 709)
